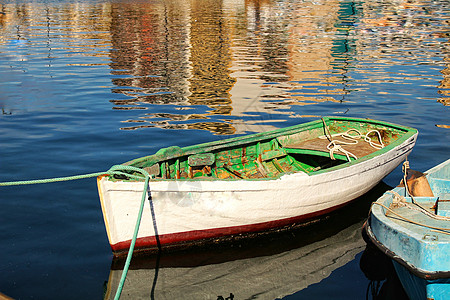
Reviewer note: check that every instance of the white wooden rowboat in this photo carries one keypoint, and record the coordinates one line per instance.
(253, 183)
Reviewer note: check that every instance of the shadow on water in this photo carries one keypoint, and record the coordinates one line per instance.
(269, 266)
(378, 268)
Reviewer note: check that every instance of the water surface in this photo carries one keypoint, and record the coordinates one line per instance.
(88, 84)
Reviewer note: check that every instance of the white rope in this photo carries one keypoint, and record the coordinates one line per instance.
(373, 144)
(353, 139)
(333, 147)
(349, 139)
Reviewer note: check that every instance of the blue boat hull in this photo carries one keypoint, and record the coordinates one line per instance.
(419, 288)
(415, 234)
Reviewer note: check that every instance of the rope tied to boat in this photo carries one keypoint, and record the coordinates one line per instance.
(114, 170)
(120, 170)
(439, 229)
(333, 147)
(349, 139)
(400, 201)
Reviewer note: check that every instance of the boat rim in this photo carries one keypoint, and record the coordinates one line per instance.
(409, 133)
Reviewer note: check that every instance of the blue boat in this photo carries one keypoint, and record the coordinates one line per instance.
(411, 224)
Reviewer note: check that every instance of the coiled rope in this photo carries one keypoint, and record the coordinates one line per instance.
(349, 139)
(114, 170)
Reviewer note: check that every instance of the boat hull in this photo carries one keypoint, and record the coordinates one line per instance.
(419, 252)
(419, 288)
(184, 212)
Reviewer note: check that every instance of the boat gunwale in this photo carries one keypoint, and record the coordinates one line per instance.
(242, 140)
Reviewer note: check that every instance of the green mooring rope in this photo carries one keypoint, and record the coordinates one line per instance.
(114, 170)
(136, 230)
(49, 180)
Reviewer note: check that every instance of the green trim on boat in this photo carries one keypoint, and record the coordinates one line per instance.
(269, 155)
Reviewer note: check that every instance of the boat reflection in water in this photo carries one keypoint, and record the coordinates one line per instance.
(267, 267)
(384, 283)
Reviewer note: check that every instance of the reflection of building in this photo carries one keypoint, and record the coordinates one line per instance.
(173, 52)
(210, 57)
(227, 66)
(444, 86)
(310, 41)
(406, 34)
(258, 47)
(176, 58)
(247, 61)
(319, 44)
(150, 52)
(212, 63)
(260, 63)
(232, 56)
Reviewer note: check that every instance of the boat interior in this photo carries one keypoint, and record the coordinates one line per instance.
(428, 192)
(305, 151)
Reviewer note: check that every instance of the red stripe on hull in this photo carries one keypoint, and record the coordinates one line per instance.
(190, 237)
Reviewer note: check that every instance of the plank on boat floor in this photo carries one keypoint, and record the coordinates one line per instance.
(360, 149)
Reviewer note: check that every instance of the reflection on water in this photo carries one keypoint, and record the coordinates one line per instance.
(384, 283)
(246, 273)
(269, 267)
(85, 84)
(232, 66)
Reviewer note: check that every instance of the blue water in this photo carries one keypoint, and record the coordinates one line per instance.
(85, 85)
